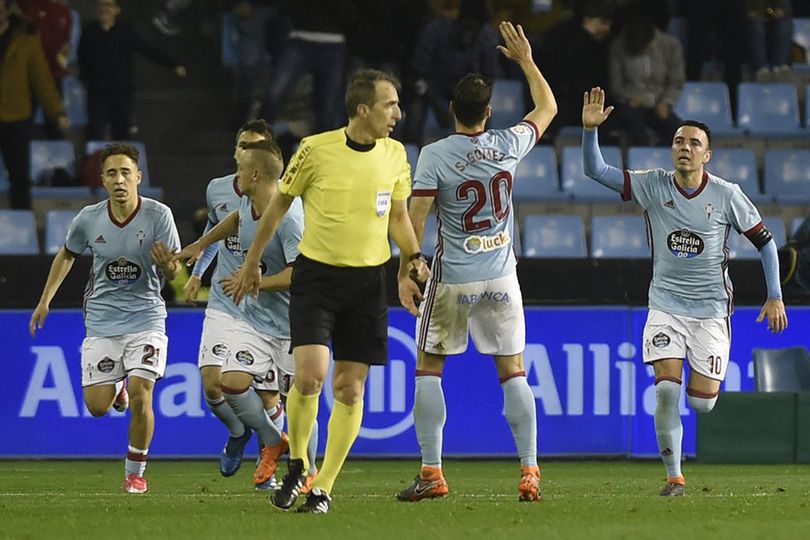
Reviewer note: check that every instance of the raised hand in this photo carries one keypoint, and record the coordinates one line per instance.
(518, 49)
(593, 108)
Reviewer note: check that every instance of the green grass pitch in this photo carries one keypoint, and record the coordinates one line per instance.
(593, 500)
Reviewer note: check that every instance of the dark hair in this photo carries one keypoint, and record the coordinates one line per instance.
(120, 149)
(363, 90)
(471, 97)
(701, 126)
(265, 145)
(258, 126)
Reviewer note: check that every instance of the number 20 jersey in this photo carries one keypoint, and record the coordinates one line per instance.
(471, 178)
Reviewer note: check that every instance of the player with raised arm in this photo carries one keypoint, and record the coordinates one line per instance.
(132, 240)
(221, 315)
(689, 215)
(469, 176)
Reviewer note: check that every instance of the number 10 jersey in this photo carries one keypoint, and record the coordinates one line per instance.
(471, 178)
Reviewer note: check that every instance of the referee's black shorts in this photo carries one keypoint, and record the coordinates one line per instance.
(346, 305)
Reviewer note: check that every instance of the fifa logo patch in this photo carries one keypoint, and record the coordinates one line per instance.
(383, 202)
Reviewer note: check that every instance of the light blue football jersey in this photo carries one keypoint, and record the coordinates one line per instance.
(123, 293)
(471, 177)
(269, 312)
(689, 236)
(222, 198)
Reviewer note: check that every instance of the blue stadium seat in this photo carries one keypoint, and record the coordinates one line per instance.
(707, 102)
(536, 177)
(739, 247)
(56, 226)
(768, 110)
(412, 151)
(649, 157)
(49, 155)
(738, 165)
(508, 107)
(560, 236)
(75, 99)
(787, 175)
(580, 186)
(143, 159)
(75, 36)
(795, 224)
(619, 237)
(18, 233)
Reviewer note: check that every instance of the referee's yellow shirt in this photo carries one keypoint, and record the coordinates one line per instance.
(347, 196)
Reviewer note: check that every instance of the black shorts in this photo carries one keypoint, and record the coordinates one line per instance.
(344, 305)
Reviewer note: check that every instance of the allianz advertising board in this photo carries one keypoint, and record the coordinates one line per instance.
(584, 365)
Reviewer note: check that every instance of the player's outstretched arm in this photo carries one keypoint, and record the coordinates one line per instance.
(518, 49)
(594, 112)
(249, 276)
(593, 164)
(194, 251)
(61, 265)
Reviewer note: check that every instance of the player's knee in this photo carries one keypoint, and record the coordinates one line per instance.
(348, 392)
(97, 409)
(667, 392)
(701, 403)
(213, 392)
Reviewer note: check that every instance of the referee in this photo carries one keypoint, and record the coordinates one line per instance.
(355, 182)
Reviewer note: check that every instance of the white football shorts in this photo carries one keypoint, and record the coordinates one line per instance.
(706, 343)
(265, 357)
(214, 344)
(491, 311)
(107, 360)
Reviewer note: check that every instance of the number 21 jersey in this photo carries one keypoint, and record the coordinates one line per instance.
(471, 178)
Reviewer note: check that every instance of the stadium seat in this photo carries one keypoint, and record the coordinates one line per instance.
(75, 99)
(649, 157)
(795, 224)
(580, 186)
(412, 151)
(508, 107)
(536, 177)
(787, 175)
(707, 102)
(560, 236)
(143, 159)
(4, 185)
(18, 233)
(56, 226)
(769, 110)
(75, 36)
(46, 156)
(738, 165)
(739, 247)
(801, 34)
(619, 237)
(782, 370)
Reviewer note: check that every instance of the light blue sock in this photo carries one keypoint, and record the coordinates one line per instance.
(276, 416)
(668, 427)
(429, 415)
(521, 413)
(249, 408)
(225, 413)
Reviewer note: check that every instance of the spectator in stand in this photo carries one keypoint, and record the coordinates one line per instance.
(581, 41)
(716, 27)
(24, 75)
(447, 49)
(317, 45)
(646, 76)
(770, 27)
(106, 66)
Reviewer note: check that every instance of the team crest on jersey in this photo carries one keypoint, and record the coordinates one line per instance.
(122, 271)
(244, 358)
(481, 244)
(661, 340)
(383, 202)
(685, 244)
(232, 244)
(709, 209)
(220, 350)
(106, 365)
(141, 237)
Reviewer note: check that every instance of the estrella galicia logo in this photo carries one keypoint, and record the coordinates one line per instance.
(660, 340)
(123, 272)
(220, 350)
(232, 244)
(389, 390)
(244, 358)
(685, 244)
(106, 365)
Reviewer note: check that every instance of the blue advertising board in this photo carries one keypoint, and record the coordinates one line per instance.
(594, 395)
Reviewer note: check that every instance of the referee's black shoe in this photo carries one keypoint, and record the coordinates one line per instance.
(284, 497)
(318, 502)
